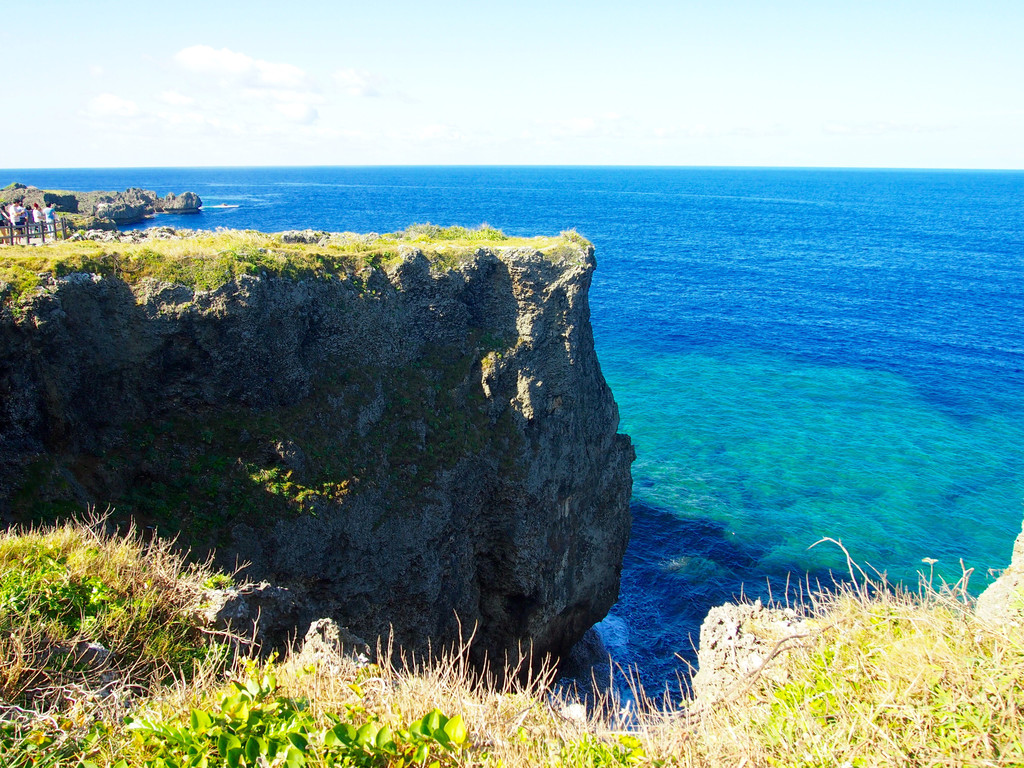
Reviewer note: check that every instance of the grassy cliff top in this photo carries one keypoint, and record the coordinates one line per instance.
(208, 260)
(876, 677)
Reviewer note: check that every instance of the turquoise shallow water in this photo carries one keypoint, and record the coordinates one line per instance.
(795, 353)
(745, 460)
(785, 452)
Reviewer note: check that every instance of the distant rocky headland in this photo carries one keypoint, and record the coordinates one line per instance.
(410, 433)
(103, 210)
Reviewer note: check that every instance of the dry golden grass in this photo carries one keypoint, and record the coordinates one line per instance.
(884, 677)
(878, 677)
(67, 585)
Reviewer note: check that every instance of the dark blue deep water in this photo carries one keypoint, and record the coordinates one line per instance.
(796, 354)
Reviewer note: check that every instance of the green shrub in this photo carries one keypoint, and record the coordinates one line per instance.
(254, 726)
(65, 587)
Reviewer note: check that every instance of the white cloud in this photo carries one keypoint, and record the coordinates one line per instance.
(298, 112)
(244, 87)
(176, 99)
(584, 126)
(359, 82)
(233, 66)
(877, 128)
(189, 117)
(573, 127)
(109, 105)
(436, 132)
(281, 96)
(705, 131)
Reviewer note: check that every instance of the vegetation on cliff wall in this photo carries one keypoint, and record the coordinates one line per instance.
(208, 470)
(401, 429)
(205, 471)
(875, 677)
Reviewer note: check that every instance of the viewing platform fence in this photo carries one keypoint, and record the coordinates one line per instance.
(37, 232)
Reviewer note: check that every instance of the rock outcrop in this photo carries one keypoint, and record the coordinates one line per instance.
(105, 210)
(187, 202)
(413, 449)
(737, 642)
(1003, 600)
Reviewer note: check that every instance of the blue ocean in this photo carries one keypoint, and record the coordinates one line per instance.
(797, 354)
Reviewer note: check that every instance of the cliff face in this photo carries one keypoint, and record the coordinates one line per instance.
(409, 447)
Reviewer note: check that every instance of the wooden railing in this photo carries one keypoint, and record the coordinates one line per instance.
(55, 230)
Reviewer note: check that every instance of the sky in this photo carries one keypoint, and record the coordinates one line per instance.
(895, 84)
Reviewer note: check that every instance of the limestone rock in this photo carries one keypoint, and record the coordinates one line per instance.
(89, 224)
(105, 210)
(455, 442)
(302, 236)
(187, 202)
(589, 653)
(260, 614)
(325, 644)
(64, 202)
(90, 654)
(120, 212)
(1003, 601)
(736, 642)
(17, 191)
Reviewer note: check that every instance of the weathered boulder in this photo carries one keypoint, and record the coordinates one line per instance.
(304, 236)
(128, 207)
(261, 614)
(187, 202)
(28, 195)
(65, 202)
(326, 644)
(411, 449)
(1003, 600)
(120, 212)
(736, 643)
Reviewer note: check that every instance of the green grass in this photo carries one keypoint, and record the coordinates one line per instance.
(72, 584)
(883, 677)
(205, 261)
(877, 677)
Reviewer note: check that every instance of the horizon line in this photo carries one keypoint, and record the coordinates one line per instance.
(520, 165)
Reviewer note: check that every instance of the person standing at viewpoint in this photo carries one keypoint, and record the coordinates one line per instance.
(16, 213)
(50, 218)
(37, 218)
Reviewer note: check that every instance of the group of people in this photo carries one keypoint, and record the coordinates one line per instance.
(42, 219)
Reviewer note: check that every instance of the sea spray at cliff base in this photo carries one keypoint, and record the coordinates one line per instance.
(796, 353)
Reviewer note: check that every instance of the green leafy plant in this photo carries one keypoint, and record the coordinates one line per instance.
(254, 726)
(591, 752)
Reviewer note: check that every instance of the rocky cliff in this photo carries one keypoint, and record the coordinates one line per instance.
(417, 441)
(104, 210)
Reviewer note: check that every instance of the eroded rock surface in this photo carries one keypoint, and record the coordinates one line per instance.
(187, 202)
(1003, 600)
(105, 210)
(419, 449)
(736, 643)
